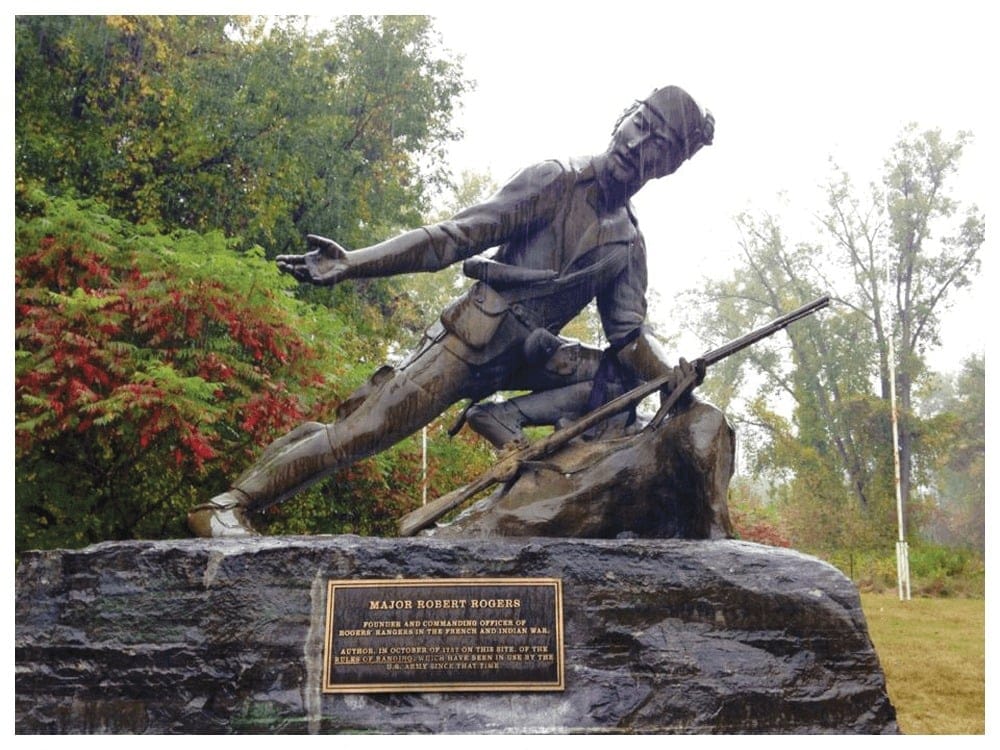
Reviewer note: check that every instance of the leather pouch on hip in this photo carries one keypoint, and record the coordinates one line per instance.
(476, 316)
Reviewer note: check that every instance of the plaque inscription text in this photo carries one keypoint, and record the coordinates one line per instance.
(443, 635)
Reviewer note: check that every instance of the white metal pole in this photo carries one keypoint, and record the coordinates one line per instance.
(424, 464)
(902, 552)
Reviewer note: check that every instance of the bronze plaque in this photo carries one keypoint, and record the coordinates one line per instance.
(443, 635)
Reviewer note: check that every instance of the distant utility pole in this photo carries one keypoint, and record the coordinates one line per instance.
(902, 550)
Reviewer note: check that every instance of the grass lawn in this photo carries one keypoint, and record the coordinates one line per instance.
(933, 652)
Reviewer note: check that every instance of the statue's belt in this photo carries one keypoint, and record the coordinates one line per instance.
(504, 275)
(506, 287)
(503, 288)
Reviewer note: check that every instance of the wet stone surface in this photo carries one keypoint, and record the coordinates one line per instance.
(227, 636)
(665, 483)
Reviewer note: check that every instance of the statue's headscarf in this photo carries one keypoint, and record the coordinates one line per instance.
(692, 126)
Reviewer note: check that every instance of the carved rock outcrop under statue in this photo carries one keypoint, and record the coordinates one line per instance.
(196, 636)
(668, 482)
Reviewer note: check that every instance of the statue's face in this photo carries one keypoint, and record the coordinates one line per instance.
(643, 148)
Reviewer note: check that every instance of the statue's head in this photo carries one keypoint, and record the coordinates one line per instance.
(691, 125)
(655, 136)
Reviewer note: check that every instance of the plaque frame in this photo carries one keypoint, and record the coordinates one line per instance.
(466, 585)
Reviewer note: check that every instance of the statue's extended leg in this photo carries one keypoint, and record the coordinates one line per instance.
(397, 407)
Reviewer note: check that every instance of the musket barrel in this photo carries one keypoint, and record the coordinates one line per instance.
(763, 332)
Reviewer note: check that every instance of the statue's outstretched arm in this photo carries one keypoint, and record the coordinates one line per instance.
(526, 201)
(327, 263)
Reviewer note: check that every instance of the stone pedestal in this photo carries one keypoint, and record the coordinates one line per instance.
(226, 636)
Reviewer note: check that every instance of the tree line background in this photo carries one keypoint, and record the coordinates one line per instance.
(814, 408)
(162, 162)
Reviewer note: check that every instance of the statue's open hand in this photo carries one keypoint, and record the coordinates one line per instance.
(326, 263)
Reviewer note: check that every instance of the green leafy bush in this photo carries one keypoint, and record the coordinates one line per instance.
(935, 570)
(148, 368)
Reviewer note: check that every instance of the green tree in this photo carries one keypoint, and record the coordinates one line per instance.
(908, 249)
(902, 254)
(259, 128)
(204, 139)
(104, 107)
(807, 423)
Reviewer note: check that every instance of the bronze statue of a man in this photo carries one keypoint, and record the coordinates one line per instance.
(565, 234)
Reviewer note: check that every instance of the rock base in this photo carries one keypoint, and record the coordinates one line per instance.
(671, 482)
(199, 636)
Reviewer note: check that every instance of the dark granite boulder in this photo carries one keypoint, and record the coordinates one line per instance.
(226, 636)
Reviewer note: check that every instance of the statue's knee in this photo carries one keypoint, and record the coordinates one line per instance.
(500, 423)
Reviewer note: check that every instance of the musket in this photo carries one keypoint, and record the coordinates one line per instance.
(508, 467)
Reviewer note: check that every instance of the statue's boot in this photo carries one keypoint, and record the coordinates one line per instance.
(226, 515)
